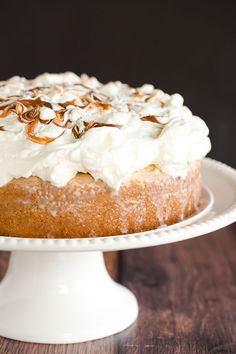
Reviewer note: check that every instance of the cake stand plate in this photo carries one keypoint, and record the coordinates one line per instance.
(58, 290)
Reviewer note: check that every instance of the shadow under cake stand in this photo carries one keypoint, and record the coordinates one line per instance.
(59, 291)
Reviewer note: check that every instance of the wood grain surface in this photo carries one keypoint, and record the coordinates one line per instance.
(187, 297)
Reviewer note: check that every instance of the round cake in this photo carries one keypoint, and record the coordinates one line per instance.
(85, 159)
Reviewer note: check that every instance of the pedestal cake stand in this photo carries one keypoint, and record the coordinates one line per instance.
(58, 290)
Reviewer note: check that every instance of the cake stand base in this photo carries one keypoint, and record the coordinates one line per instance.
(62, 297)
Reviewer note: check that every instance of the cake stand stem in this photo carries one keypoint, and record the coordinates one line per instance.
(62, 297)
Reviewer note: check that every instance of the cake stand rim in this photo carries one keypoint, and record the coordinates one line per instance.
(208, 223)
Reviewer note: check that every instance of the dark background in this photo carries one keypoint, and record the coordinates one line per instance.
(180, 46)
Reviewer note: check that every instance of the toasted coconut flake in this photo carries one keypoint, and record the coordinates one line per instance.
(83, 85)
(137, 93)
(150, 97)
(29, 116)
(153, 119)
(36, 90)
(59, 120)
(19, 108)
(45, 121)
(88, 98)
(98, 125)
(6, 104)
(92, 124)
(30, 130)
(68, 103)
(5, 113)
(7, 110)
(35, 102)
(57, 88)
(101, 105)
(101, 97)
(76, 132)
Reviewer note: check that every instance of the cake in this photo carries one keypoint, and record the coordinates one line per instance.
(85, 159)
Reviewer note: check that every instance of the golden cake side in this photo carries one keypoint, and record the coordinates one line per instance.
(31, 207)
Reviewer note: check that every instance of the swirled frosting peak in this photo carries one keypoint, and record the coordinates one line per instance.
(59, 124)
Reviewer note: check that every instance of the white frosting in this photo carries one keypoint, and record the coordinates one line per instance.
(47, 113)
(108, 153)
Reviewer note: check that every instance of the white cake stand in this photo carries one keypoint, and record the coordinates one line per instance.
(58, 291)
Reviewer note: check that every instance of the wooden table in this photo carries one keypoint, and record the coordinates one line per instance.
(187, 297)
